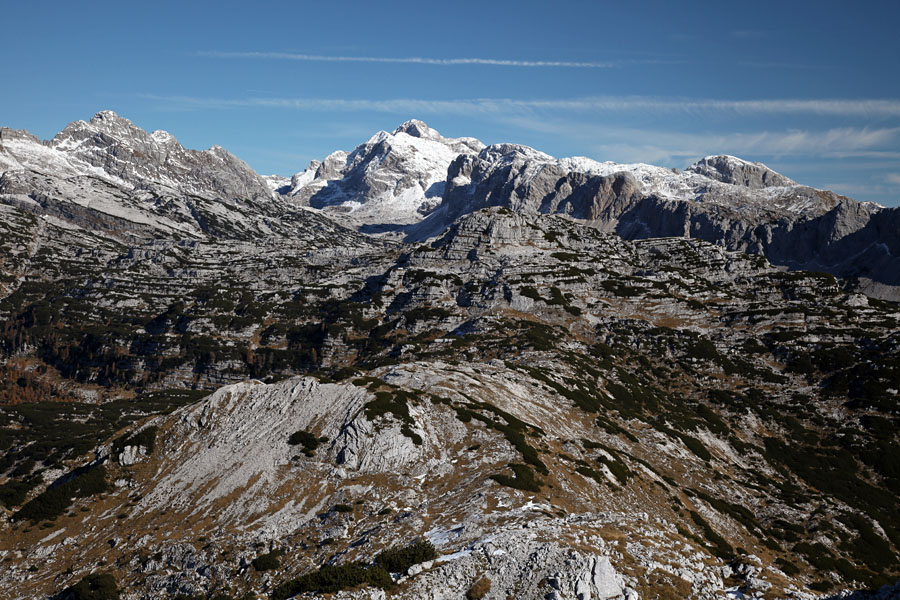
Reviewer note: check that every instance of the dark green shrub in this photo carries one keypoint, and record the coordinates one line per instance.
(737, 512)
(695, 446)
(714, 422)
(721, 548)
(818, 555)
(96, 586)
(556, 297)
(524, 478)
(513, 430)
(592, 474)
(530, 292)
(788, 567)
(802, 365)
(307, 440)
(329, 579)
(868, 547)
(704, 349)
(539, 336)
(835, 358)
(268, 561)
(395, 403)
(617, 468)
(13, 492)
(56, 499)
(620, 289)
(343, 508)
(399, 560)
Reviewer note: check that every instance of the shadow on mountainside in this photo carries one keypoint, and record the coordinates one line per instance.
(846, 241)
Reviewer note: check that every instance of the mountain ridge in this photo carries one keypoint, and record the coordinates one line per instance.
(411, 184)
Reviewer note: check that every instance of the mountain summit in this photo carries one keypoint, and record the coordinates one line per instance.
(110, 173)
(730, 169)
(120, 149)
(393, 179)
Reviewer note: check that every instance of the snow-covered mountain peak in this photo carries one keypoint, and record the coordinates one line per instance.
(164, 138)
(418, 129)
(277, 183)
(393, 178)
(105, 129)
(219, 151)
(137, 181)
(737, 171)
(10, 136)
(108, 116)
(110, 123)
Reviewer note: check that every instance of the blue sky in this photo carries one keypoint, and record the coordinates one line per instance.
(810, 88)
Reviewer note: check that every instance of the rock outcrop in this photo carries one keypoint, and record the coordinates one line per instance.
(730, 169)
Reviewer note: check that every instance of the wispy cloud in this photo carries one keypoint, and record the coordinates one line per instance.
(827, 107)
(893, 178)
(582, 121)
(421, 60)
(676, 148)
(398, 106)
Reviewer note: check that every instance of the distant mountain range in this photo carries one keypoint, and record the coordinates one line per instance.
(414, 183)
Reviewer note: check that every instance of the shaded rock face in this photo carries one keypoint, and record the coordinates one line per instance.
(592, 198)
(8, 135)
(523, 179)
(851, 240)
